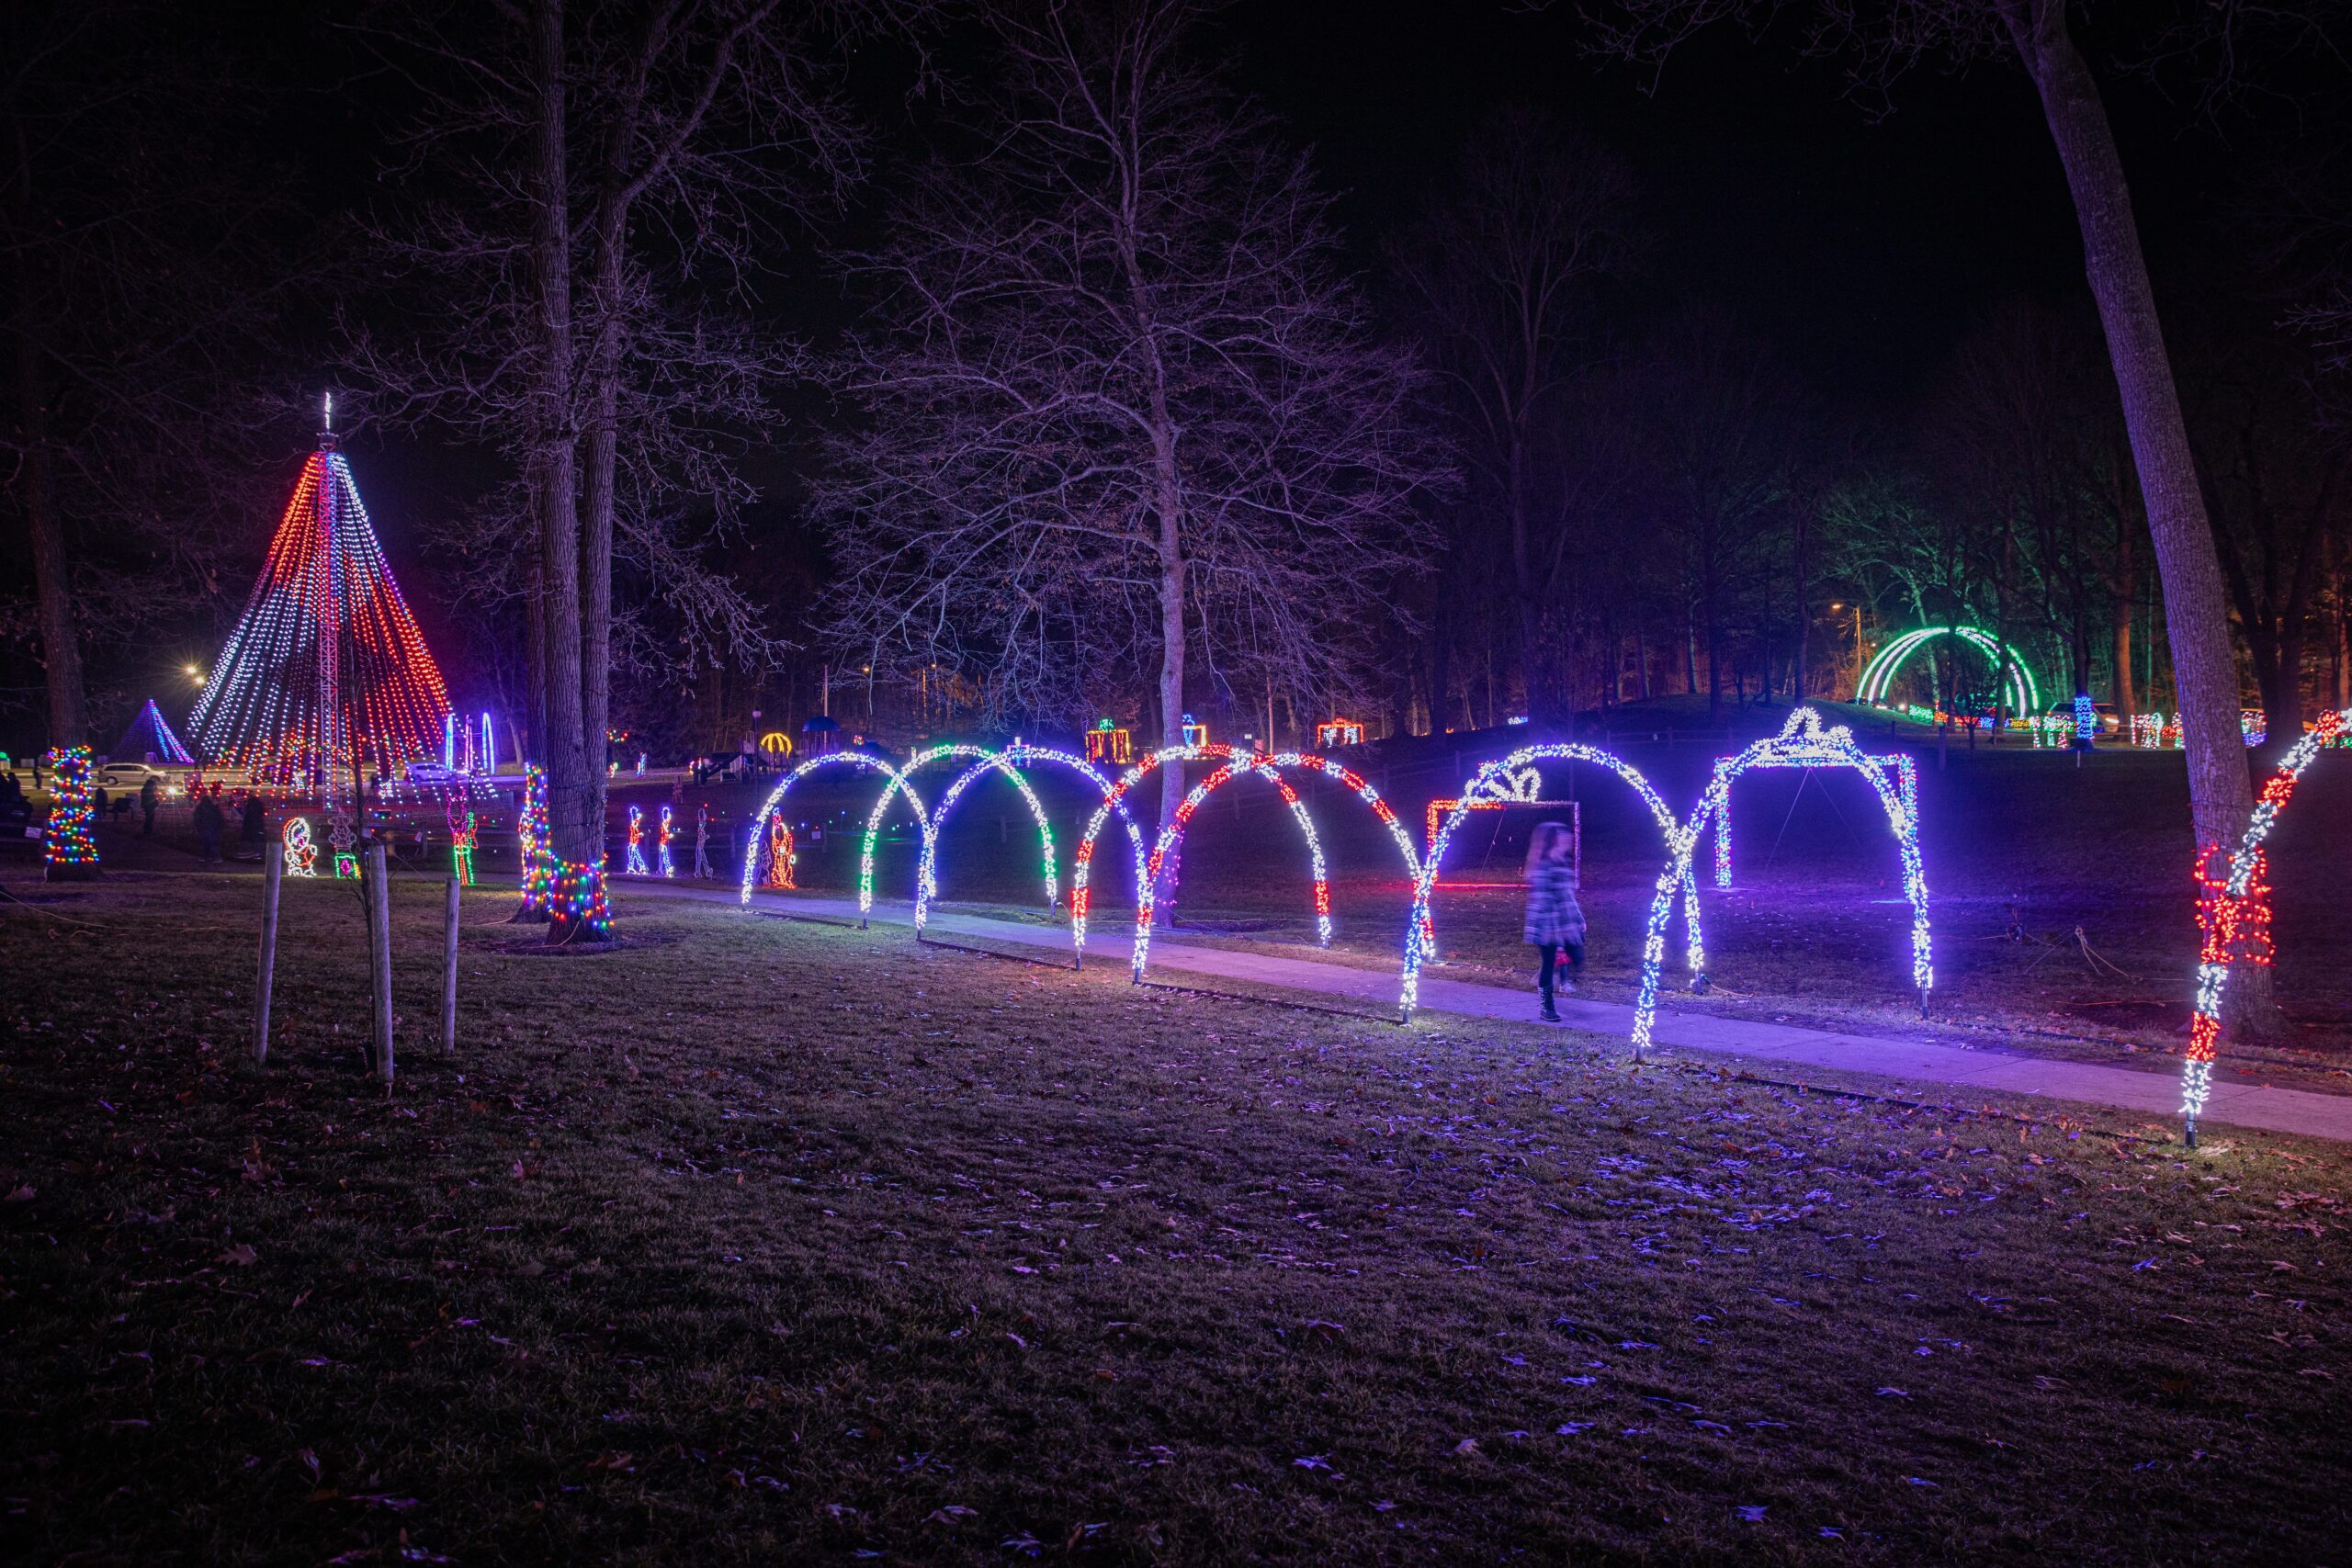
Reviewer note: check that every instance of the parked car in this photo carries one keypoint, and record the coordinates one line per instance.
(130, 776)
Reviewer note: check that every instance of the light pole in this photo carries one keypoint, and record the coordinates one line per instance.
(1835, 607)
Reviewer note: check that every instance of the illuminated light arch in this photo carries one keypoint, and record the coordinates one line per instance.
(1801, 744)
(1173, 836)
(1878, 675)
(989, 759)
(2233, 914)
(1008, 761)
(1899, 763)
(899, 785)
(1269, 766)
(1504, 774)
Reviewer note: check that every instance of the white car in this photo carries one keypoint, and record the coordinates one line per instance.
(130, 776)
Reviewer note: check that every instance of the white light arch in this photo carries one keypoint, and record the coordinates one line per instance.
(1491, 780)
(899, 785)
(1801, 744)
(1008, 762)
(1878, 675)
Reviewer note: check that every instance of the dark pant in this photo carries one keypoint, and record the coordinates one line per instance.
(208, 846)
(1548, 951)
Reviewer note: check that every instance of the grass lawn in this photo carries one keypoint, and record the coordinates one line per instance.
(757, 1241)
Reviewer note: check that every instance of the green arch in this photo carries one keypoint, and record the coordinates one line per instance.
(2025, 695)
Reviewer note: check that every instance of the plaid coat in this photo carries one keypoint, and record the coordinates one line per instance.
(1555, 918)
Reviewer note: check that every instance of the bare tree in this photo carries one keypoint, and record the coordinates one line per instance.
(622, 173)
(1123, 411)
(1500, 271)
(1718, 417)
(135, 251)
(2275, 460)
(1886, 37)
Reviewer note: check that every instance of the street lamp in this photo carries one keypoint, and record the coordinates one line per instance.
(1836, 605)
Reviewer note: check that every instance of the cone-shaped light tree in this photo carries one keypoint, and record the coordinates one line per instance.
(326, 670)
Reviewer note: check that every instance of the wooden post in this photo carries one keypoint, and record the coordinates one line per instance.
(272, 869)
(449, 974)
(379, 953)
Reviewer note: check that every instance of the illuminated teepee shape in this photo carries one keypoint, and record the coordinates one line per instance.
(326, 663)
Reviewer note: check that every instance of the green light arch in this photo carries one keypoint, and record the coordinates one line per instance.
(2025, 695)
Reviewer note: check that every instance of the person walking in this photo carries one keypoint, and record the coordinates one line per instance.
(149, 792)
(1555, 921)
(209, 823)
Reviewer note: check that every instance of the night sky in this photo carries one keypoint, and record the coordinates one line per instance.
(1858, 248)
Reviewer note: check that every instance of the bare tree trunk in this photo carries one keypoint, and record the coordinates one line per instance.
(61, 653)
(1441, 643)
(1172, 685)
(2204, 665)
(554, 468)
(2343, 635)
(2125, 598)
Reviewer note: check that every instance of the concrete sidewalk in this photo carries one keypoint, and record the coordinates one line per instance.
(1906, 1062)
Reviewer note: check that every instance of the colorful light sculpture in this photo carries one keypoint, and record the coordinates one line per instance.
(461, 837)
(1878, 676)
(1335, 732)
(2085, 721)
(326, 667)
(1496, 779)
(1898, 763)
(663, 865)
(2233, 914)
(1519, 787)
(149, 733)
(1171, 839)
(1803, 742)
(1109, 746)
(923, 759)
(531, 844)
(301, 854)
(343, 841)
(2254, 725)
(69, 842)
(781, 858)
(633, 863)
